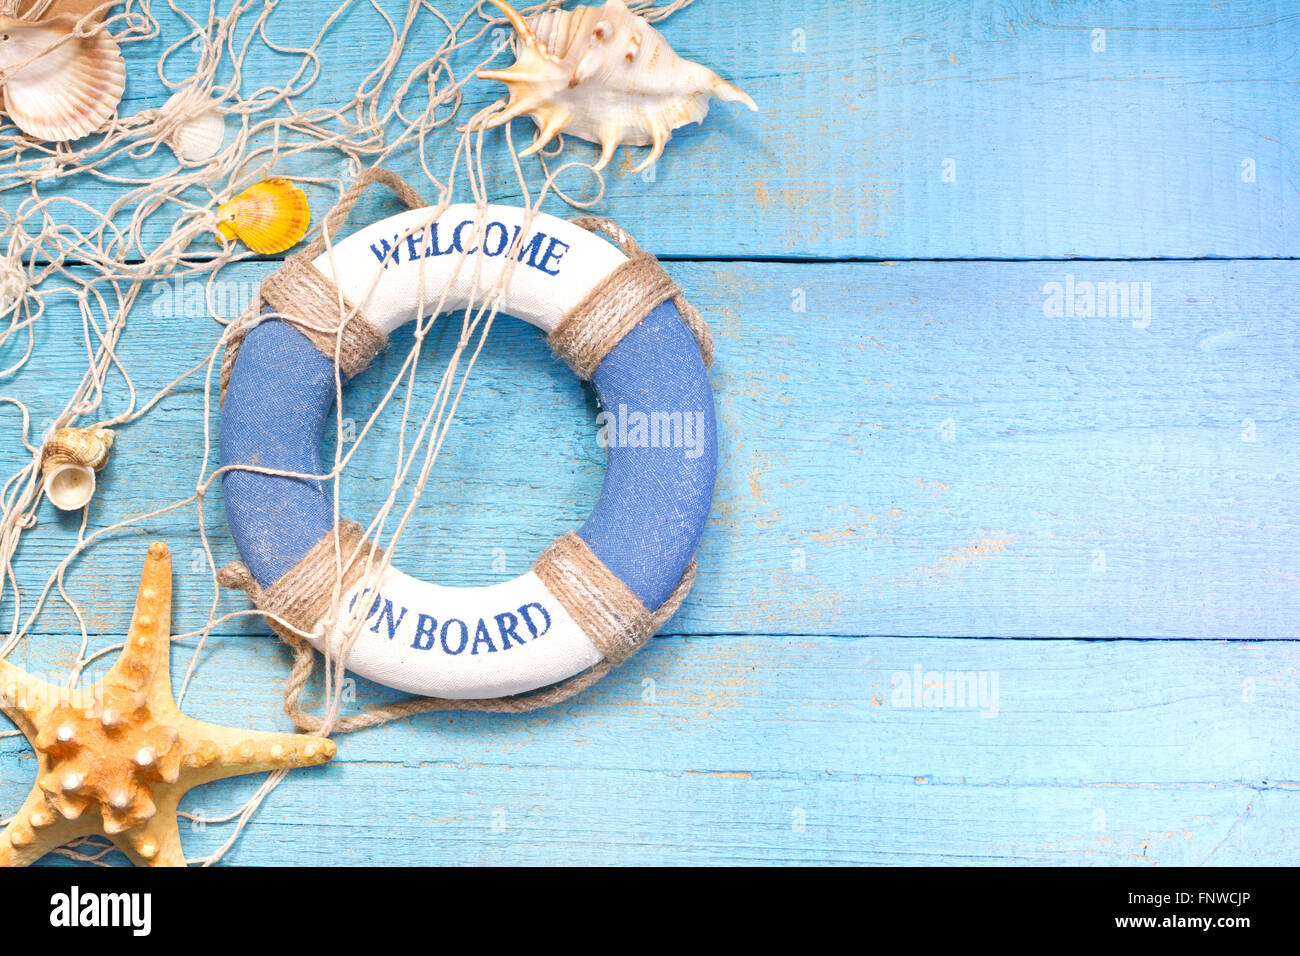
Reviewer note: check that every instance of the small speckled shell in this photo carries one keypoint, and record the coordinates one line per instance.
(268, 217)
(78, 446)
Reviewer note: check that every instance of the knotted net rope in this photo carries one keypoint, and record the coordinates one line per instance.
(101, 253)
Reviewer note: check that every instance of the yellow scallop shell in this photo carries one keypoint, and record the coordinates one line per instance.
(268, 217)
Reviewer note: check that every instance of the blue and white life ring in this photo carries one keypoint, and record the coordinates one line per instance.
(514, 636)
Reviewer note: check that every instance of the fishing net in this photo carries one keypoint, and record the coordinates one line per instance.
(115, 221)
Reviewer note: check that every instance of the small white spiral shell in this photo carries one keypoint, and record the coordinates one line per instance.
(69, 460)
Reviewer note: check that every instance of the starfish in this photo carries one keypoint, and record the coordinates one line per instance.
(115, 759)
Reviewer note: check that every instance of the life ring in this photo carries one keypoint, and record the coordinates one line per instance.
(514, 636)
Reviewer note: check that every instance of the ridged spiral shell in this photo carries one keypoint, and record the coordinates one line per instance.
(70, 89)
(78, 446)
(69, 460)
(605, 75)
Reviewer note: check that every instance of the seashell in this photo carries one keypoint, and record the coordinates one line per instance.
(605, 75)
(69, 461)
(268, 217)
(115, 758)
(70, 89)
(199, 138)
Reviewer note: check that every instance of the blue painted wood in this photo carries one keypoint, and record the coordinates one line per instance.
(920, 451)
(934, 451)
(765, 749)
(898, 129)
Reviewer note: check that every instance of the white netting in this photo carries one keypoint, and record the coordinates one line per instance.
(80, 220)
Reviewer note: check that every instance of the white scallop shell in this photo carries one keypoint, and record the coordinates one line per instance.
(70, 88)
(605, 75)
(199, 138)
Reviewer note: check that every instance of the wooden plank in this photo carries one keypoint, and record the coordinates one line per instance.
(898, 130)
(920, 452)
(772, 750)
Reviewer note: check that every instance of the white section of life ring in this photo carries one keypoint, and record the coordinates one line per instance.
(391, 294)
(402, 643)
(462, 643)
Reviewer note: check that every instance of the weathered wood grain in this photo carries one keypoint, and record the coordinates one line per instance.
(921, 451)
(903, 130)
(770, 749)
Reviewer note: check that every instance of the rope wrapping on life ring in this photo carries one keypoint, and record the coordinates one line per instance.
(302, 600)
(590, 330)
(300, 294)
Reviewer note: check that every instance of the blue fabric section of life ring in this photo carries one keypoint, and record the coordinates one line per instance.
(653, 504)
(655, 501)
(279, 397)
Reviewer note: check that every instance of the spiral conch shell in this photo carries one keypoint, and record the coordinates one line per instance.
(605, 75)
(69, 461)
(268, 217)
(72, 86)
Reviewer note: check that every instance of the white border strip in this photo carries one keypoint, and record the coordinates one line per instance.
(558, 265)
